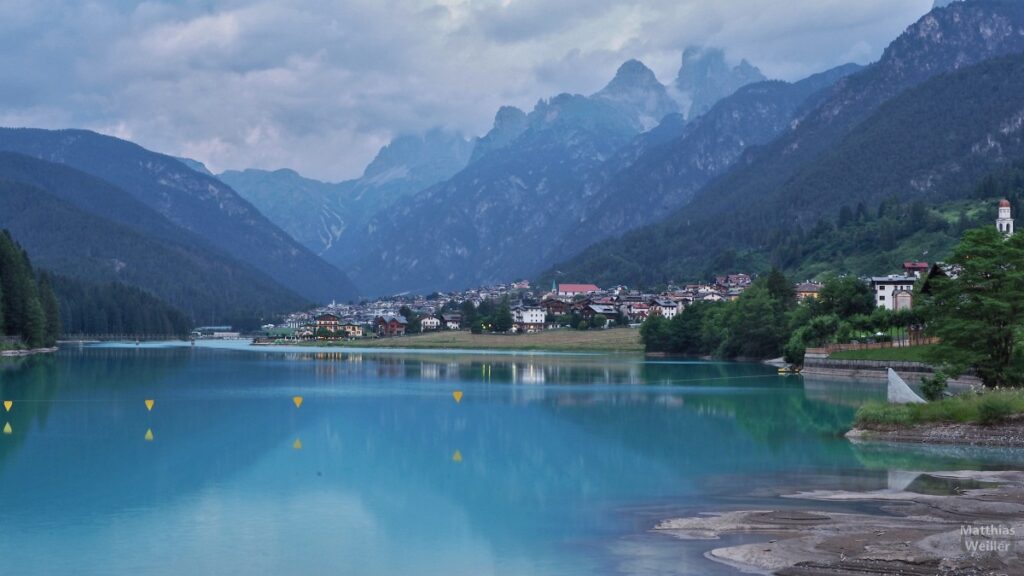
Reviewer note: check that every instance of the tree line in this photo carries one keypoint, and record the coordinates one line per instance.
(37, 307)
(29, 312)
(768, 321)
(974, 308)
(115, 309)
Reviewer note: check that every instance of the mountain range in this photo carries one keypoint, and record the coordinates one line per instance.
(330, 218)
(507, 203)
(926, 121)
(640, 182)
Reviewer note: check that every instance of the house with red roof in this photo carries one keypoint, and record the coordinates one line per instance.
(573, 290)
(916, 269)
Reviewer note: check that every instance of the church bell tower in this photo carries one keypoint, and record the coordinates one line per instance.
(1004, 223)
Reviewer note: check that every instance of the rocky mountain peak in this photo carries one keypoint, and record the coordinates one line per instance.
(635, 91)
(436, 150)
(705, 77)
(509, 123)
(632, 74)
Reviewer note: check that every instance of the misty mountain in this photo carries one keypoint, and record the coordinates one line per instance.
(870, 138)
(495, 219)
(509, 123)
(666, 174)
(532, 180)
(705, 78)
(195, 202)
(325, 216)
(636, 92)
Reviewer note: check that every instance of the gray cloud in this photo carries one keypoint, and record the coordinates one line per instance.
(319, 85)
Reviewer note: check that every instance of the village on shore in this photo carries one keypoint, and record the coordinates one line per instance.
(565, 305)
(562, 306)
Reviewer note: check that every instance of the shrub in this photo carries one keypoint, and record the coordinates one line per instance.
(793, 352)
(882, 413)
(933, 387)
(993, 408)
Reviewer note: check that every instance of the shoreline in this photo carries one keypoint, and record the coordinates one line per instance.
(914, 530)
(28, 352)
(1009, 434)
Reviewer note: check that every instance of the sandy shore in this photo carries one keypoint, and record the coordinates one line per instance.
(916, 532)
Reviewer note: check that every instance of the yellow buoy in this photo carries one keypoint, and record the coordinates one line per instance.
(149, 435)
(457, 457)
(457, 395)
(8, 404)
(297, 444)
(149, 405)
(297, 401)
(7, 428)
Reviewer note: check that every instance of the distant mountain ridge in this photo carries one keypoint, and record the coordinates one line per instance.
(705, 78)
(195, 202)
(551, 159)
(328, 217)
(665, 176)
(79, 226)
(555, 187)
(494, 219)
(636, 92)
(832, 156)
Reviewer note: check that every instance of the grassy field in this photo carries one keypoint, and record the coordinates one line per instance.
(614, 340)
(987, 408)
(908, 354)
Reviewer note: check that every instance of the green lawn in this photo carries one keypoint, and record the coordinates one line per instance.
(563, 340)
(908, 354)
(986, 408)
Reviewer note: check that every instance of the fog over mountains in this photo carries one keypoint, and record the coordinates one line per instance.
(529, 182)
(641, 182)
(544, 186)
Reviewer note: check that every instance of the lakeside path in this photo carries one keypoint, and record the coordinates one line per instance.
(566, 340)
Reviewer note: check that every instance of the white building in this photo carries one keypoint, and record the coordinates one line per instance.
(1004, 223)
(665, 307)
(528, 318)
(885, 289)
(428, 323)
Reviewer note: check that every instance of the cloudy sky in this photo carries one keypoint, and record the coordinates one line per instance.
(320, 85)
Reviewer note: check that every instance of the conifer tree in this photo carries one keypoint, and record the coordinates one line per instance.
(977, 314)
(51, 309)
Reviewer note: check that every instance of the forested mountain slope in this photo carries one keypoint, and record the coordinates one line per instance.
(665, 176)
(82, 227)
(195, 202)
(850, 149)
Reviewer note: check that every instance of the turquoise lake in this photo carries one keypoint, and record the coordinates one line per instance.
(550, 464)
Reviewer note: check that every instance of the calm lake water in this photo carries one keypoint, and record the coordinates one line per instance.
(550, 464)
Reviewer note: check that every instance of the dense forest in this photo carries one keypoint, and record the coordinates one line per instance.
(114, 309)
(37, 307)
(29, 315)
(78, 226)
